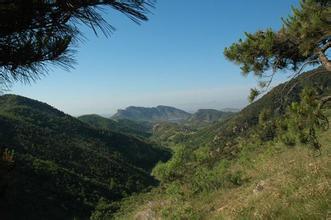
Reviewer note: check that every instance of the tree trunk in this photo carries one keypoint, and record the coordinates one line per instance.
(325, 99)
(324, 60)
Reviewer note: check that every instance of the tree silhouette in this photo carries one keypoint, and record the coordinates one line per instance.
(36, 33)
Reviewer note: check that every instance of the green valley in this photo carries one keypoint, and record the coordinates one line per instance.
(63, 167)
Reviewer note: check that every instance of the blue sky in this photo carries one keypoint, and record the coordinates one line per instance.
(173, 59)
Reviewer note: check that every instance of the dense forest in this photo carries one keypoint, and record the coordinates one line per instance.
(63, 167)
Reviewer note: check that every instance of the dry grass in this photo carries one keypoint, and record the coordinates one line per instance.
(284, 183)
(293, 184)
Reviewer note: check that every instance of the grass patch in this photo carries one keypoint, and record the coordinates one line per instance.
(269, 182)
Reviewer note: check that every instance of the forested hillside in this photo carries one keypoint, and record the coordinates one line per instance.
(205, 116)
(155, 114)
(275, 102)
(267, 181)
(223, 131)
(125, 126)
(163, 130)
(63, 167)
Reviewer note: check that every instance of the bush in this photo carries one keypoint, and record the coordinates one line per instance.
(104, 210)
(236, 178)
(175, 168)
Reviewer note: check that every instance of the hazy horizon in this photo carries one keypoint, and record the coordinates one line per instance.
(187, 100)
(173, 59)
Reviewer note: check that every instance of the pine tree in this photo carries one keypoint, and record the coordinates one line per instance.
(303, 40)
(303, 119)
(36, 33)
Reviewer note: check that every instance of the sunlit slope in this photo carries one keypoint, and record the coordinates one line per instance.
(228, 171)
(278, 183)
(276, 100)
(154, 114)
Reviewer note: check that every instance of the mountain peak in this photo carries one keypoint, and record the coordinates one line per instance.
(152, 114)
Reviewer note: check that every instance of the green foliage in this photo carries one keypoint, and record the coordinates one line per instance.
(171, 134)
(155, 114)
(234, 169)
(275, 177)
(206, 179)
(183, 211)
(259, 45)
(203, 117)
(202, 155)
(174, 169)
(236, 178)
(192, 171)
(253, 94)
(124, 126)
(35, 34)
(295, 43)
(63, 166)
(104, 209)
(206, 160)
(224, 134)
(303, 39)
(266, 128)
(309, 25)
(304, 119)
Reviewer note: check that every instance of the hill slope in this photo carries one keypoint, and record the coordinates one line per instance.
(155, 114)
(125, 126)
(275, 182)
(227, 171)
(209, 116)
(64, 166)
(239, 124)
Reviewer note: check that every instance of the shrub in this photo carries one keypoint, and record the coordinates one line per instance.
(175, 168)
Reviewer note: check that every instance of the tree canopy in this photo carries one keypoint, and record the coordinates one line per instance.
(36, 33)
(303, 39)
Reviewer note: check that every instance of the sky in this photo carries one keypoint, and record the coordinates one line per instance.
(176, 59)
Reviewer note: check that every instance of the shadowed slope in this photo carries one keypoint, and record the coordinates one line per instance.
(64, 166)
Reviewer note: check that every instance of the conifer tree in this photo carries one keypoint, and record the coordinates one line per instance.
(304, 39)
(303, 119)
(36, 33)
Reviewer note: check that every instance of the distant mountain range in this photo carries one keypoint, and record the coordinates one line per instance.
(154, 114)
(160, 124)
(170, 114)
